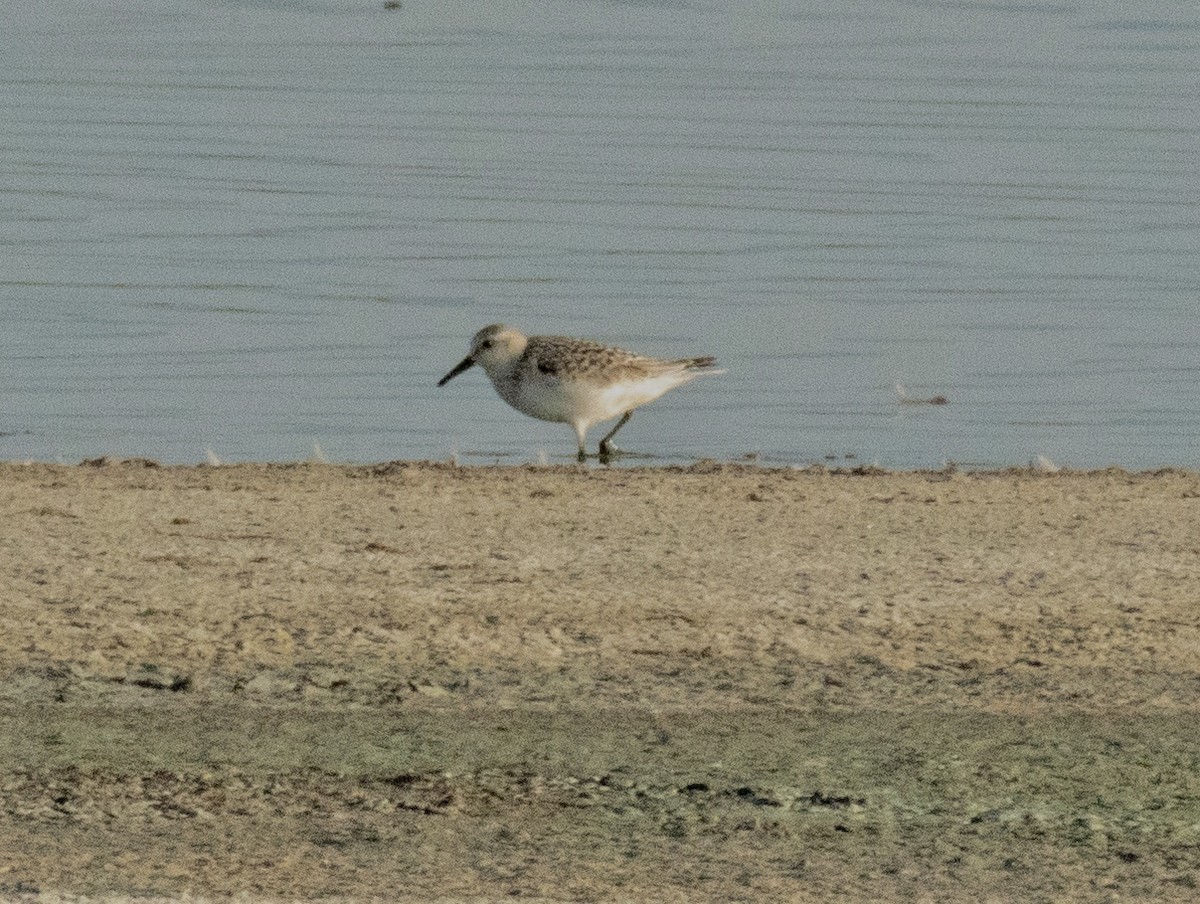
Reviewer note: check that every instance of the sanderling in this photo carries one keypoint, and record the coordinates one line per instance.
(574, 381)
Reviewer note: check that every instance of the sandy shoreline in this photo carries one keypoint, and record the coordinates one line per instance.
(714, 683)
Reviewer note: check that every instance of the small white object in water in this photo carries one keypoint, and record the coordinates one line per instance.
(1045, 465)
(904, 398)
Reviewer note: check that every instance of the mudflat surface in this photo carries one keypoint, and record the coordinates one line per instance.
(423, 682)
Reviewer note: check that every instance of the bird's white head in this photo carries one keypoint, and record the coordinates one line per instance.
(495, 348)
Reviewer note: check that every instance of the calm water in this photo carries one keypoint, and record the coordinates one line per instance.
(259, 226)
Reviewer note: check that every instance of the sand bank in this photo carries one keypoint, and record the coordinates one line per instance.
(719, 683)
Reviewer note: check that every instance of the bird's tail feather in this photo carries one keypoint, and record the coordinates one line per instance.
(706, 364)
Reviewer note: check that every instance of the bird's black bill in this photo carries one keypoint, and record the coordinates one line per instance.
(464, 364)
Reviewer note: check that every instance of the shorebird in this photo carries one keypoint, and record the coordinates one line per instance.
(574, 381)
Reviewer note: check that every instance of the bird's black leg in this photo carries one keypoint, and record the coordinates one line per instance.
(606, 446)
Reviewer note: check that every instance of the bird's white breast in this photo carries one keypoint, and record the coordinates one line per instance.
(551, 398)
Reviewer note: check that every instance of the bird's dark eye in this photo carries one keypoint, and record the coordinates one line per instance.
(487, 343)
